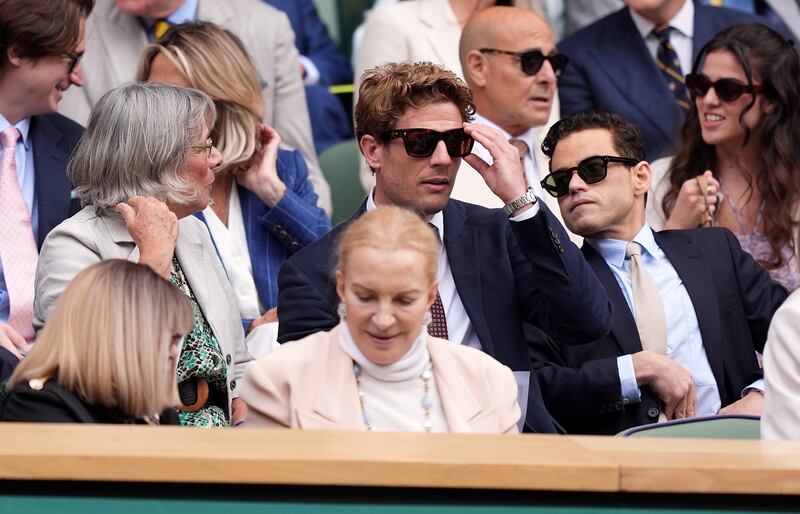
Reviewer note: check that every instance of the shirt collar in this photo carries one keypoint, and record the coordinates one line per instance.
(23, 126)
(529, 136)
(437, 220)
(683, 21)
(186, 13)
(613, 250)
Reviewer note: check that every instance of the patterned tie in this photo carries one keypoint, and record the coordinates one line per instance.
(667, 61)
(438, 325)
(650, 320)
(17, 245)
(160, 28)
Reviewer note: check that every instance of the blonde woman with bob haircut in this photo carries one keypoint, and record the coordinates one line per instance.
(142, 168)
(378, 369)
(263, 206)
(108, 352)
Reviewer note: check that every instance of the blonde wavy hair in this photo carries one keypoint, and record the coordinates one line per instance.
(214, 61)
(108, 339)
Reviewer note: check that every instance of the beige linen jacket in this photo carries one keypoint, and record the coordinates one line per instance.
(88, 238)
(310, 384)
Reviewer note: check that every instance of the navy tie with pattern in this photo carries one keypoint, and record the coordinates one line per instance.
(667, 61)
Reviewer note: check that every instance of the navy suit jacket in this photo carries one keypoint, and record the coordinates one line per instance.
(506, 274)
(611, 68)
(312, 40)
(734, 300)
(330, 122)
(54, 138)
(275, 234)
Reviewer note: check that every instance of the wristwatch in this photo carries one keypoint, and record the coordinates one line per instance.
(528, 198)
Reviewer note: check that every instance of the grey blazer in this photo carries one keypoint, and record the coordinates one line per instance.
(115, 40)
(87, 238)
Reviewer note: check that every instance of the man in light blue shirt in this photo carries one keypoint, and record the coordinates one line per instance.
(40, 60)
(717, 301)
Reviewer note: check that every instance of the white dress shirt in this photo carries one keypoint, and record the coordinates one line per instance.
(231, 244)
(459, 326)
(680, 38)
(684, 342)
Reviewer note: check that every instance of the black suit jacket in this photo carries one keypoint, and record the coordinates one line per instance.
(611, 68)
(505, 273)
(55, 404)
(734, 300)
(54, 139)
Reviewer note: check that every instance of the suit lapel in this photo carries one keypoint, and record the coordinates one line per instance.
(460, 407)
(256, 240)
(624, 50)
(215, 11)
(196, 265)
(624, 325)
(693, 271)
(433, 15)
(461, 241)
(52, 187)
(127, 36)
(336, 405)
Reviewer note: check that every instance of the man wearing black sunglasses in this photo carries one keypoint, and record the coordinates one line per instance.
(691, 308)
(510, 64)
(617, 64)
(41, 42)
(495, 273)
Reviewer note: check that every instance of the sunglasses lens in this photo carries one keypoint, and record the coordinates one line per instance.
(729, 90)
(458, 142)
(532, 62)
(592, 170)
(420, 144)
(558, 62)
(697, 84)
(557, 183)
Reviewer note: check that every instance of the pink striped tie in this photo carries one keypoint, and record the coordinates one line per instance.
(17, 246)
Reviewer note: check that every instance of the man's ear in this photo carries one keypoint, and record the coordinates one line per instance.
(769, 106)
(372, 150)
(12, 55)
(641, 175)
(476, 68)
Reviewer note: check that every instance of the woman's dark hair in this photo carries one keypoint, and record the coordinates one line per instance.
(765, 54)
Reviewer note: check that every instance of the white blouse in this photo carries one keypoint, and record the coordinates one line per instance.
(393, 393)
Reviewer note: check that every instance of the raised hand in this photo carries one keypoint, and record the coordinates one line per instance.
(154, 229)
(261, 176)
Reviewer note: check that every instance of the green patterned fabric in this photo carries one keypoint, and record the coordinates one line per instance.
(201, 356)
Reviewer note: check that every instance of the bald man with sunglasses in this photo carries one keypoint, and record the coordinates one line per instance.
(691, 308)
(498, 268)
(509, 62)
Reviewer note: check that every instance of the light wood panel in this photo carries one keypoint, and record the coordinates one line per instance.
(701, 465)
(172, 454)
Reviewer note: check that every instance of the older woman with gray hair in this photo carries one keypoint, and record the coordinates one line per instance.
(143, 166)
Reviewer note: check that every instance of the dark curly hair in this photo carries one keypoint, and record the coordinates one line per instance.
(763, 53)
(627, 138)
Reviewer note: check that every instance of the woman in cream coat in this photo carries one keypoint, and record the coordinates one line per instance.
(379, 369)
(142, 168)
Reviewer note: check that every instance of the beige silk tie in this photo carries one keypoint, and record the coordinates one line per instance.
(650, 319)
(522, 148)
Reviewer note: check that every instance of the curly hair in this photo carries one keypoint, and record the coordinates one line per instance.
(387, 91)
(765, 54)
